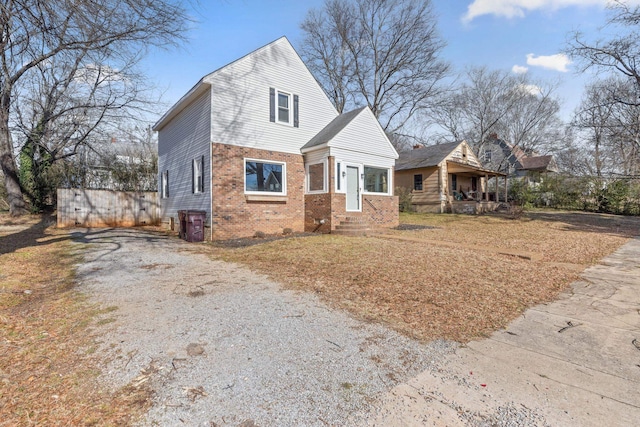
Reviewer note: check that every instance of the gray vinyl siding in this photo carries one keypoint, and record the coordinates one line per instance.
(183, 139)
(240, 100)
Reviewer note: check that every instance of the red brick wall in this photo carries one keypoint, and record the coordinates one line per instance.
(382, 211)
(318, 207)
(233, 215)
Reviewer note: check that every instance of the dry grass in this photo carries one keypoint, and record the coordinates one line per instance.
(429, 291)
(48, 374)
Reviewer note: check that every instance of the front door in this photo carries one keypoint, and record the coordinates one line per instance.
(353, 189)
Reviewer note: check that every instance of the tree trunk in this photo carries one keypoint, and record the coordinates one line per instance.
(7, 161)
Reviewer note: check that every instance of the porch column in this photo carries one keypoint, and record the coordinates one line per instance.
(506, 190)
(486, 187)
(497, 189)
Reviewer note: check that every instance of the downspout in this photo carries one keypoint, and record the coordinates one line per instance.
(210, 190)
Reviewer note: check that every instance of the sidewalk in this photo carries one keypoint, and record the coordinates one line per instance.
(573, 362)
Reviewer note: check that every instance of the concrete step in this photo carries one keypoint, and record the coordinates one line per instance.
(343, 226)
(352, 226)
(353, 219)
(343, 232)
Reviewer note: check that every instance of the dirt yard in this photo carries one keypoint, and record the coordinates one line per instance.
(48, 369)
(459, 278)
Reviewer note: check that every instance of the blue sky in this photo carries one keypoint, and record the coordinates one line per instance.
(499, 34)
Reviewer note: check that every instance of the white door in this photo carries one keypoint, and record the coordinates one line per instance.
(353, 189)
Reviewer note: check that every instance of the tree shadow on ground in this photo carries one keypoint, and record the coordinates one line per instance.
(26, 235)
(619, 225)
(20, 233)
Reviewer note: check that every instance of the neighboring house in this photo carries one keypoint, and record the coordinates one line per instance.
(499, 155)
(259, 146)
(448, 178)
(102, 164)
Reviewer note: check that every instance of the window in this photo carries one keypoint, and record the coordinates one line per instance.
(417, 182)
(376, 180)
(283, 107)
(315, 177)
(264, 177)
(164, 191)
(197, 175)
(487, 155)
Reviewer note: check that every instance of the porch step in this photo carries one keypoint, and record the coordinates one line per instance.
(352, 226)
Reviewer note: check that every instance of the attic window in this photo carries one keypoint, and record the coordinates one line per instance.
(284, 101)
(283, 107)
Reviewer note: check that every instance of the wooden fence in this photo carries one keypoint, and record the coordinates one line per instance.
(107, 208)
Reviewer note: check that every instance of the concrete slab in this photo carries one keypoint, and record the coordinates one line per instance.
(573, 362)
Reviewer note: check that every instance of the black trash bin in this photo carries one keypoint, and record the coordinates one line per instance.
(192, 225)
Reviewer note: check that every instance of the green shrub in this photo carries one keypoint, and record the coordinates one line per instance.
(405, 199)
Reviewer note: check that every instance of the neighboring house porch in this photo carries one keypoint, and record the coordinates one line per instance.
(449, 178)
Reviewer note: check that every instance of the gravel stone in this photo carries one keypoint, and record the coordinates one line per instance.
(231, 347)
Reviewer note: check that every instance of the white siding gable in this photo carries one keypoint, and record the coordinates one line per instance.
(363, 141)
(240, 100)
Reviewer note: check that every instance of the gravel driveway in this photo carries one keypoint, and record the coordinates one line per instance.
(223, 346)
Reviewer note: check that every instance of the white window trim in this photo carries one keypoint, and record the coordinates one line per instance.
(196, 181)
(264, 193)
(277, 107)
(164, 183)
(324, 176)
(389, 183)
(340, 181)
(484, 155)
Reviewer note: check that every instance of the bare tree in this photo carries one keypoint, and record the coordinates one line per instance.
(86, 40)
(523, 112)
(609, 129)
(532, 123)
(380, 53)
(619, 53)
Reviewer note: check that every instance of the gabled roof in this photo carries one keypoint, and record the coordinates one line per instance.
(538, 163)
(332, 129)
(425, 157)
(203, 85)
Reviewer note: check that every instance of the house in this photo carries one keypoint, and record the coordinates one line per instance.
(498, 154)
(448, 178)
(114, 165)
(259, 147)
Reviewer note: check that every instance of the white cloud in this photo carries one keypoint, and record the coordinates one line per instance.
(532, 89)
(519, 69)
(557, 62)
(518, 8)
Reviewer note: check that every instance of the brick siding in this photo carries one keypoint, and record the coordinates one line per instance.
(234, 214)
